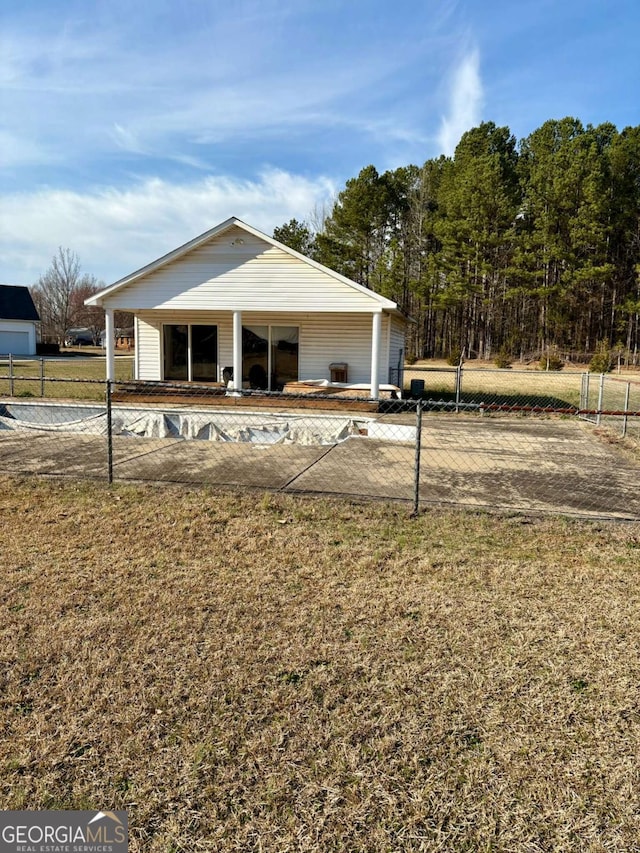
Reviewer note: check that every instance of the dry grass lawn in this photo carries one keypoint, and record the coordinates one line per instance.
(62, 368)
(524, 383)
(277, 674)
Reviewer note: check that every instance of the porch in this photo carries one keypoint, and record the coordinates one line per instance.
(295, 395)
(261, 351)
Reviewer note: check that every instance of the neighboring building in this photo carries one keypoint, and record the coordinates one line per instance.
(235, 302)
(123, 337)
(18, 319)
(80, 337)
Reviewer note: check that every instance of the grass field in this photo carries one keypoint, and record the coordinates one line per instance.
(274, 674)
(522, 385)
(71, 367)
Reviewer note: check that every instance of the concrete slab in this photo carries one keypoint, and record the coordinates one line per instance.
(216, 463)
(35, 452)
(362, 466)
(530, 464)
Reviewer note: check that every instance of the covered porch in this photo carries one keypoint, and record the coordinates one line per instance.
(295, 352)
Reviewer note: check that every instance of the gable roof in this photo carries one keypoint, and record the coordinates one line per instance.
(97, 299)
(16, 303)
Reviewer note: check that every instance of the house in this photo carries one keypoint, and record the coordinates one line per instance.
(235, 304)
(18, 319)
(80, 337)
(123, 338)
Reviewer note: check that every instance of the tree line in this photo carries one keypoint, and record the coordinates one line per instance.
(513, 248)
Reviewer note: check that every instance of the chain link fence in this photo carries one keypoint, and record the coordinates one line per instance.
(612, 402)
(485, 441)
(508, 390)
(29, 376)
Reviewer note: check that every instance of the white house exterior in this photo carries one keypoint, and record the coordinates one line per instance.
(235, 298)
(18, 320)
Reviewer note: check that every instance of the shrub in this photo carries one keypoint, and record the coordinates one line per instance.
(454, 357)
(602, 360)
(550, 360)
(411, 359)
(503, 359)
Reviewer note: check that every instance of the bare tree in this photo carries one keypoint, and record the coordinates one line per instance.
(90, 317)
(56, 294)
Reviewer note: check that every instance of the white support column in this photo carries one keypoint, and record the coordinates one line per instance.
(110, 343)
(237, 350)
(376, 335)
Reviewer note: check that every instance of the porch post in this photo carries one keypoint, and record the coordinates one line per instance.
(376, 334)
(237, 350)
(110, 343)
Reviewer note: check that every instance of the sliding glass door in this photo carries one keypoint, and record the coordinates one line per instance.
(269, 356)
(190, 353)
(176, 353)
(284, 356)
(204, 353)
(255, 356)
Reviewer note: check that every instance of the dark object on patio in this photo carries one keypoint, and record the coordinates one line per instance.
(258, 378)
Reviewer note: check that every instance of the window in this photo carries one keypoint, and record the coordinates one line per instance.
(190, 353)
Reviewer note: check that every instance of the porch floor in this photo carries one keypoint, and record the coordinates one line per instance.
(216, 394)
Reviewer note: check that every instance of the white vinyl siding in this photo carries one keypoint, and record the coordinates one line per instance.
(148, 348)
(238, 271)
(396, 342)
(337, 338)
(324, 338)
(17, 337)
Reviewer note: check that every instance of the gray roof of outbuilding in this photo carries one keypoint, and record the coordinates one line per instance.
(16, 303)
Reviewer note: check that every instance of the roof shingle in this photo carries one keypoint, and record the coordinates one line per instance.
(16, 303)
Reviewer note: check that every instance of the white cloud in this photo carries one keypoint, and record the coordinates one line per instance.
(465, 103)
(115, 231)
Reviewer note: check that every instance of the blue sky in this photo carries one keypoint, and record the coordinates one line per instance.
(127, 128)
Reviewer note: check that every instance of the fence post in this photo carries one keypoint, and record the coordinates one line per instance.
(42, 377)
(416, 466)
(584, 391)
(626, 409)
(11, 374)
(109, 434)
(458, 386)
(600, 397)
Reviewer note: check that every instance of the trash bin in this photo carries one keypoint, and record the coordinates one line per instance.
(417, 388)
(339, 371)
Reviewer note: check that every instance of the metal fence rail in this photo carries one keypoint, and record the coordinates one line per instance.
(550, 448)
